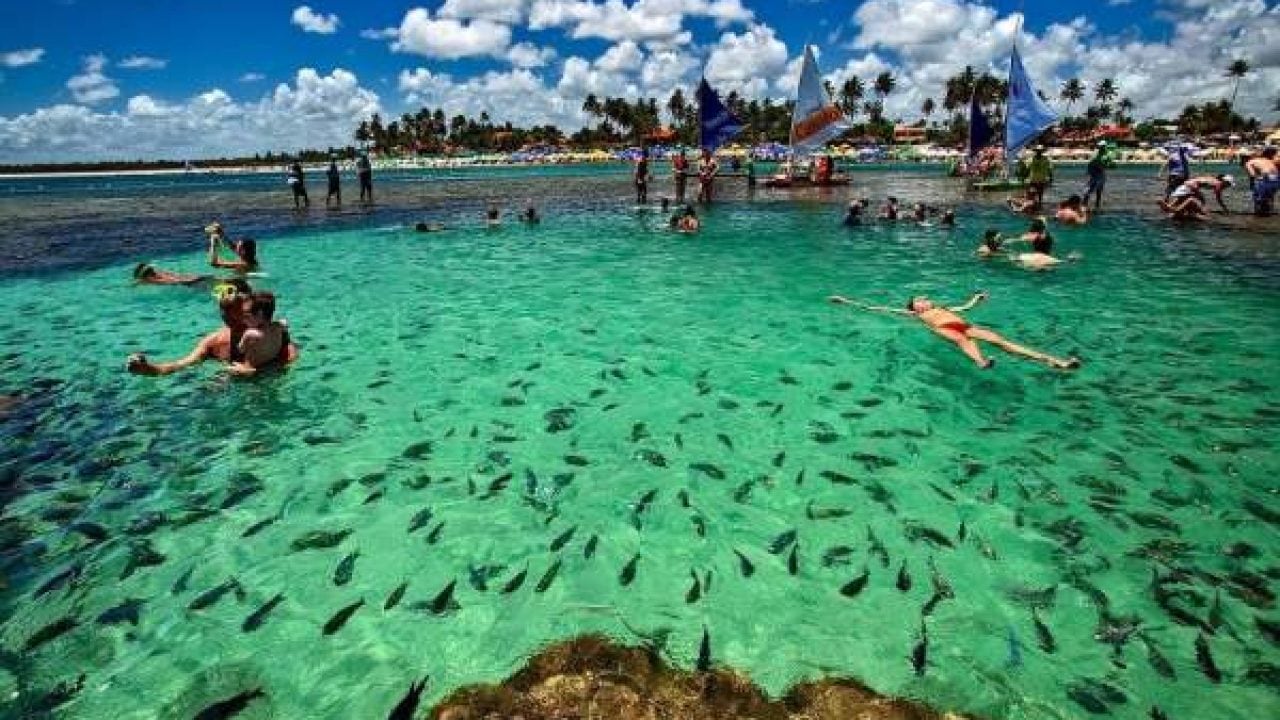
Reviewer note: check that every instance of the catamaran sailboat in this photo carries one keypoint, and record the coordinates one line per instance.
(814, 122)
(1026, 117)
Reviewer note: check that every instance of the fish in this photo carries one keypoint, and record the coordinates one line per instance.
(837, 478)
(653, 457)
(639, 431)
(695, 590)
(782, 541)
(396, 596)
(180, 585)
(261, 525)
(903, 582)
(1215, 611)
(576, 460)
(628, 573)
(419, 450)
(855, 586)
(877, 548)
(873, 462)
(708, 469)
(141, 555)
(1157, 660)
(374, 496)
(497, 485)
(562, 539)
(780, 458)
(1157, 713)
(589, 549)
(347, 566)
(548, 577)
(704, 651)
(742, 493)
(230, 707)
(725, 440)
(683, 497)
(515, 582)
(744, 564)
(338, 486)
(239, 495)
(434, 536)
(914, 532)
(837, 555)
(920, 653)
(1204, 658)
(963, 532)
(1116, 631)
(127, 611)
(257, 617)
(318, 539)
(1268, 629)
(211, 596)
(61, 694)
(1044, 637)
(932, 603)
(699, 525)
(50, 632)
(443, 601)
(420, 519)
(408, 705)
(1081, 695)
(644, 502)
(690, 416)
(941, 586)
(678, 440)
(793, 560)
(820, 513)
(90, 530)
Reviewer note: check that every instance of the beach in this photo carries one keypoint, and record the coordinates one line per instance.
(514, 436)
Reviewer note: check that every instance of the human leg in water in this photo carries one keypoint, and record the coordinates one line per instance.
(978, 333)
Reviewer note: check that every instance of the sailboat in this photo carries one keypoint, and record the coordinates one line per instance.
(716, 123)
(1026, 116)
(815, 121)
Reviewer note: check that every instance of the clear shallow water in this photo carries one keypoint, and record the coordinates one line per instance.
(658, 345)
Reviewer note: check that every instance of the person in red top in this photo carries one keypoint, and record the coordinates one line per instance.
(680, 166)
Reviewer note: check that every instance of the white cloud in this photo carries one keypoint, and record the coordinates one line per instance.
(650, 21)
(624, 57)
(528, 55)
(20, 58)
(504, 11)
(314, 111)
(746, 61)
(91, 86)
(314, 22)
(380, 34)
(250, 77)
(142, 62)
(448, 38)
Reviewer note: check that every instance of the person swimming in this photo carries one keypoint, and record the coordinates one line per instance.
(427, 227)
(686, 220)
(147, 274)
(852, 214)
(890, 209)
(530, 215)
(992, 244)
(948, 218)
(1041, 255)
(1072, 211)
(493, 216)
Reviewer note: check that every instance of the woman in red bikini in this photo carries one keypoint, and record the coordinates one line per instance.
(946, 322)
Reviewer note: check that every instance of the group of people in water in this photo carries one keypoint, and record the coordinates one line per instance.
(296, 179)
(1184, 193)
(251, 340)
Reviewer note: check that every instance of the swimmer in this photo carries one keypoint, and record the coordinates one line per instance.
(666, 205)
(145, 274)
(686, 221)
(493, 216)
(948, 218)
(852, 214)
(992, 244)
(1072, 211)
(947, 323)
(1028, 205)
(530, 215)
(245, 250)
(890, 209)
(427, 227)
(264, 342)
(1186, 203)
(919, 213)
(1041, 255)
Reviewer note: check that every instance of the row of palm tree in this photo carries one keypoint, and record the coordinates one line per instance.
(429, 131)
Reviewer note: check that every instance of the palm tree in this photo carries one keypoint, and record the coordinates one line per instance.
(884, 84)
(1106, 91)
(926, 108)
(1072, 91)
(829, 87)
(851, 92)
(1237, 70)
(1124, 107)
(591, 105)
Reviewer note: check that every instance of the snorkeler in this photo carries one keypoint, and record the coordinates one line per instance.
(146, 274)
(947, 323)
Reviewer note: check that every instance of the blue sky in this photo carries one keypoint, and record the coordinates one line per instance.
(102, 77)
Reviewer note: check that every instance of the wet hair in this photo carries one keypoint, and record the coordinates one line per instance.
(1043, 244)
(1269, 152)
(1072, 202)
(492, 212)
(142, 271)
(1038, 226)
(992, 239)
(247, 249)
(422, 227)
(263, 303)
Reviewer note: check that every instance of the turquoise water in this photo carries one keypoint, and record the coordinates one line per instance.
(597, 358)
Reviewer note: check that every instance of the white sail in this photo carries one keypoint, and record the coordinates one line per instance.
(816, 119)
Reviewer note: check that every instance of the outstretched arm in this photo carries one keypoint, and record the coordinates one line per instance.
(141, 366)
(842, 300)
(971, 303)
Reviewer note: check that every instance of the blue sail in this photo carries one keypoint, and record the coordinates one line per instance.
(1026, 115)
(717, 125)
(816, 119)
(980, 132)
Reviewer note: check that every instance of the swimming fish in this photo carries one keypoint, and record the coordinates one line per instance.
(338, 486)
(342, 574)
(628, 573)
(497, 485)
(90, 530)
(396, 596)
(708, 469)
(837, 555)
(61, 694)
(877, 548)
(420, 519)
(793, 560)
(419, 450)
(782, 541)
(1044, 637)
(941, 586)
(780, 458)
(1204, 658)
(126, 611)
(903, 582)
(920, 653)
(589, 549)
(239, 495)
(443, 601)
(230, 707)
(820, 513)
(855, 586)
(1014, 644)
(695, 590)
(576, 460)
(318, 539)
(837, 478)
(259, 526)
(1157, 660)
(744, 564)
(562, 539)
(257, 617)
(639, 431)
(704, 651)
(434, 536)
(180, 585)
(515, 582)
(141, 555)
(408, 705)
(643, 503)
(52, 631)
(931, 603)
(214, 594)
(653, 457)
(917, 531)
(699, 525)
(548, 577)
(725, 440)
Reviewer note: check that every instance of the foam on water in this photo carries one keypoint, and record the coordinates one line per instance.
(668, 357)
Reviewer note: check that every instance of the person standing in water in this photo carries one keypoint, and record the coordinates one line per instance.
(708, 168)
(298, 182)
(1039, 175)
(1177, 169)
(1264, 177)
(641, 177)
(335, 184)
(364, 172)
(947, 323)
(1097, 173)
(679, 171)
